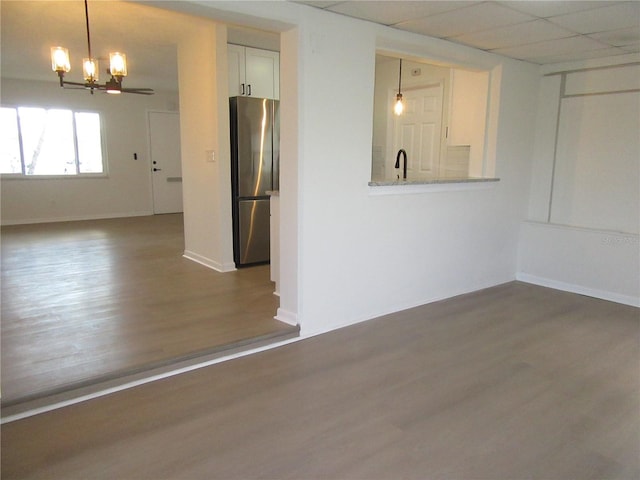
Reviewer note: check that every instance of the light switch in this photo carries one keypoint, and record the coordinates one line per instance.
(211, 156)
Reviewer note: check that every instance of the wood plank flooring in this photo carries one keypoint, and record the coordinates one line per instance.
(92, 300)
(512, 382)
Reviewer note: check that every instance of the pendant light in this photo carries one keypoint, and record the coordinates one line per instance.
(399, 107)
(117, 68)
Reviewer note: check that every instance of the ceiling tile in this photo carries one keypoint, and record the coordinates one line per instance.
(619, 38)
(547, 48)
(390, 12)
(614, 17)
(514, 35)
(545, 9)
(477, 17)
(572, 57)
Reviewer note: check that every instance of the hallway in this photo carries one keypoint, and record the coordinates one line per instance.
(90, 301)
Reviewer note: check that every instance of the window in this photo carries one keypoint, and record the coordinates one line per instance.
(38, 141)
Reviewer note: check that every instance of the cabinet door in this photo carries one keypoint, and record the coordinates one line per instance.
(235, 56)
(262, 68)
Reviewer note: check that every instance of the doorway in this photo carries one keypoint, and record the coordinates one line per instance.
(419, 129)
(166, 169)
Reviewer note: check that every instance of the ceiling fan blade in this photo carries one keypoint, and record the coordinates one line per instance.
(140, 91)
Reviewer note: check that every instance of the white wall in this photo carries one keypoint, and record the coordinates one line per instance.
(290, 141)
(125, 191)
(581, 232)
(204, 128)
(362, 256)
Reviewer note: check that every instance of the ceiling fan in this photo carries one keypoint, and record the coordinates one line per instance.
(61, 64)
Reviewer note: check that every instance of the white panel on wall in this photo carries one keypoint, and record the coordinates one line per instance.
(598, 163)
(604, 80)
(544, 147)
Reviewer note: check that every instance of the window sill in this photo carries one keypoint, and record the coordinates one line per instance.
(10, 176)
(404, 187)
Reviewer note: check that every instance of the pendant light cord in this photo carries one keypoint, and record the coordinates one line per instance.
(86, 15)
(399, 76)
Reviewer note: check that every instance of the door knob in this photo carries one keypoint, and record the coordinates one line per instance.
(156, 169)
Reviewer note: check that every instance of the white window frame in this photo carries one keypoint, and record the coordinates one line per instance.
(23, 176)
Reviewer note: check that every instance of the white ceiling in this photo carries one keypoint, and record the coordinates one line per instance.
(148, 35)
(540, 32)
(536, 31)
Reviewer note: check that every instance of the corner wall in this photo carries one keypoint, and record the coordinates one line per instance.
(581, 233)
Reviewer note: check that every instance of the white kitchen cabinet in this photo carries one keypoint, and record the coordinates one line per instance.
(253, 72)
(467, 106)
(467, 116)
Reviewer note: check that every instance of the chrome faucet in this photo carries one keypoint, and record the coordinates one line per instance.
(404, 168)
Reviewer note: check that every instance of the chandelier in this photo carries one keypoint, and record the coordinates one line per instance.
(61, 64)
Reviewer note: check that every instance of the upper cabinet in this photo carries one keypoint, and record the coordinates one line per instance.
(253, 72)
(467, 107)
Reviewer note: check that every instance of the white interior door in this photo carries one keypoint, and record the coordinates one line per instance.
(166, 167)
(419, 130)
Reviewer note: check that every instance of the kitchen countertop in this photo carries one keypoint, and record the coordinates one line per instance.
(429, 181)
(273, 193)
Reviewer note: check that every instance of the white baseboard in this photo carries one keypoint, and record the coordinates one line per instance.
(287, 317)
(579, 289)
(207, 262)
(77, 218)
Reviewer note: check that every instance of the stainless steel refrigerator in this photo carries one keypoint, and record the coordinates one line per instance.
(255, 157)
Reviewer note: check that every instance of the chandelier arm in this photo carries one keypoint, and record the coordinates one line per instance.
(66, 82)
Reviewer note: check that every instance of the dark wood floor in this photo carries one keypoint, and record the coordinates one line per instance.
(92, 300)
(513, 382)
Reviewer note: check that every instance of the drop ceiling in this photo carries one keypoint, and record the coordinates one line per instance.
(535, 31)
(541, 32)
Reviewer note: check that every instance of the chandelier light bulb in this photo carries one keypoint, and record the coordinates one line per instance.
(90, 69)
(60, 59)
(118, 64)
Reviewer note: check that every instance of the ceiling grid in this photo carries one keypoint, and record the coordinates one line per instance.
(541, 32)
